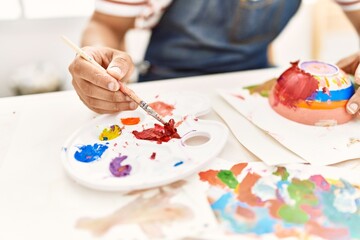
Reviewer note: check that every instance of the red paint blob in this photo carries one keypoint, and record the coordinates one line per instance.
(294, 85)
(158, 133)
(153, 156)
(163, 109)
(130, 121)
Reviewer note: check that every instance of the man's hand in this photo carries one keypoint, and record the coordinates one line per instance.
(99, 90)
(351, 65)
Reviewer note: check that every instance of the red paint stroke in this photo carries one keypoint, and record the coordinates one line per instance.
(326, 90)
(239, 96)
(130, 121)
(314, 228)
(282, 232)
(159, 133)
(210, 176)
(153, 156)
(237, 168)
(320, 182)
(245, 213)
(244, 190)
(274, 207)
(181, 121)
(314, 213)
(163, 109)
(294, 85)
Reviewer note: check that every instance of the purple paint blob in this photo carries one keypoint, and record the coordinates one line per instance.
(117, 169)
(89, 153)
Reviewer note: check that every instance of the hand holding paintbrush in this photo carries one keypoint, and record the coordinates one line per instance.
(100, 93)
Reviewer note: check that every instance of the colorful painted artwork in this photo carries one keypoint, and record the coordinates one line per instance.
(314, 144)
(136, 152)
(296, 201)
(312, 93)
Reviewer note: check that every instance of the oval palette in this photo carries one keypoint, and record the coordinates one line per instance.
(105, 155)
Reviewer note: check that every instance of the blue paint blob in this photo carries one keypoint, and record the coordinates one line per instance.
(178, 163)
(89, 153)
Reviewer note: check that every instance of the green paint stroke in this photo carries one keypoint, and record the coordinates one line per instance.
(282, 172)
(262, 89)
(293, 214)
(302, 191)
(228, 178)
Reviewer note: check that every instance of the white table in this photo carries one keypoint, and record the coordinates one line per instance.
(37, 198)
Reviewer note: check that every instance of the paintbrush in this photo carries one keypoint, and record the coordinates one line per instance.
(123, 87)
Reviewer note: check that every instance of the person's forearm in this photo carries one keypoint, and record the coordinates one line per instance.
(97, 34)
(354, 17)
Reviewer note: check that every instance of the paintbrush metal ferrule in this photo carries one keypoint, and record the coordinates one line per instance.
(151, 112)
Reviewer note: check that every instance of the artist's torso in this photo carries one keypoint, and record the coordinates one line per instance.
(208, 36)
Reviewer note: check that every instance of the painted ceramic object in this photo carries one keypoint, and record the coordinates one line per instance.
(312, 93)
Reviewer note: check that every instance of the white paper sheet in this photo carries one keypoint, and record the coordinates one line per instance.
(254, 139)
(317, 145)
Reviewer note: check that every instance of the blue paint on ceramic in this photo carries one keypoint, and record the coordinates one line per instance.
(335, 95)
(89, 153)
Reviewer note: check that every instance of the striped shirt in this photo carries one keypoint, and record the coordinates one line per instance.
(148, 12)
(349, 5)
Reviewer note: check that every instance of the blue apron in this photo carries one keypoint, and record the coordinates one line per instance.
(196, 37)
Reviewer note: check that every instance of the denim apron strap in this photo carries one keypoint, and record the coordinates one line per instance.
(196, 37)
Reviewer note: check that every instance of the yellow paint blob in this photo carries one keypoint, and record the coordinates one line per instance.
(110, 133)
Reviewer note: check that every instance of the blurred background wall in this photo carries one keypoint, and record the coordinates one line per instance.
(33, 54)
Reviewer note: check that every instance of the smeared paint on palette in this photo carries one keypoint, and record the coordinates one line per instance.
(90, 153)
(130, 120)
(159, 133)
(162, 108)
(283, 202)
(117, 169)
(110, 133)
(121, 151)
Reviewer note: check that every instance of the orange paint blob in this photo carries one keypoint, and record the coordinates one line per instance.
(130, 121)
(244, 191)
(210, 176)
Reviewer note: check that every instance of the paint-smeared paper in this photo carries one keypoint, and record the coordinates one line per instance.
(253, 200)
(168, 212)
(317, 145)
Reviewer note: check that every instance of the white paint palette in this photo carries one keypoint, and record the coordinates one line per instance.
(151, 164)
